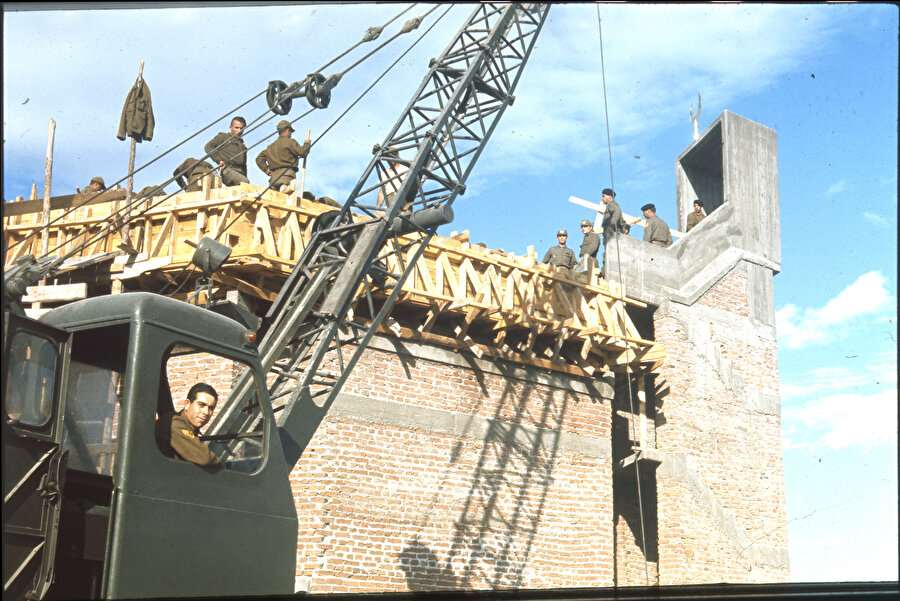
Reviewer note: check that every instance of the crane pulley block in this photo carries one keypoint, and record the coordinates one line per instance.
(316, 88)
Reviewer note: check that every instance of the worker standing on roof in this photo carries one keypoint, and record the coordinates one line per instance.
(589, 247)
(696, 216)
(612, 216)
(612, 222)
(229, 151)
(281, 159)
(560, 255)
(656, 231)
(97, 185)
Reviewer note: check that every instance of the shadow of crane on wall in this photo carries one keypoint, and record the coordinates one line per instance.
(512, 473)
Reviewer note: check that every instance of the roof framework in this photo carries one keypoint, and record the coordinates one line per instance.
(460, 295)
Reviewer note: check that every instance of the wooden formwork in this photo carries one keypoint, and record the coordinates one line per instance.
(459, 295)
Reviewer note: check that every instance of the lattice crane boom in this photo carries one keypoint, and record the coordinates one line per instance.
(407, 188)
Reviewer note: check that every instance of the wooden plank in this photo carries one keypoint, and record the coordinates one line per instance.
(66, 201)
(437, 308)
(53, 293)
(162, 235)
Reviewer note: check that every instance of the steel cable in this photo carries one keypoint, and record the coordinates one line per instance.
(637, 468)
(105, 230)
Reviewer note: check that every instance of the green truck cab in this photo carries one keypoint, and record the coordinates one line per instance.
(92, 508)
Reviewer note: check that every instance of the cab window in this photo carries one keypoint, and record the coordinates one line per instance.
(93, 399)
(238, 445)
(31, 379)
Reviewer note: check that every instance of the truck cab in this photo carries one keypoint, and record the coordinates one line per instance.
(92, 507)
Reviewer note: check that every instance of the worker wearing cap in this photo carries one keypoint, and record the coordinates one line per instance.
(561, 255)
(591, 243)
(97, 185)
(229, 151)
(696, 216)
(612, 216)
(612, 222)
(280, 160)
(656, 231)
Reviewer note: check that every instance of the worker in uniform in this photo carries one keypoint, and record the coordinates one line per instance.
(229, 151)
(189, 174)
(656, 231)
(696, 216)
(612, 221)
(178, 434)
(560, 255)
(281, 159)
(589, 246)
(97, 185)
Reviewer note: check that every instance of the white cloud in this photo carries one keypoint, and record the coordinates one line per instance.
(836, 188)
(828, 381)
(843, 420)
(798, 328)
(838, 407)
(876, 220)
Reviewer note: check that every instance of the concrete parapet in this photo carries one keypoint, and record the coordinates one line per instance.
(733, 168)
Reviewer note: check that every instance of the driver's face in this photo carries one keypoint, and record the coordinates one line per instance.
(200, 409)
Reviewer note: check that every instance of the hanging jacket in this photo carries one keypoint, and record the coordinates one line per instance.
(137, 114)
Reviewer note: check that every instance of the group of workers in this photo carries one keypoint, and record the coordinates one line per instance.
(280, 160)
(656, 231)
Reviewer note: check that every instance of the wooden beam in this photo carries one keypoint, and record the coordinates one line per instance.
(67, 201)
(54, 293)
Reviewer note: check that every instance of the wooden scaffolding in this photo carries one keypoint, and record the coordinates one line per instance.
(460, 295)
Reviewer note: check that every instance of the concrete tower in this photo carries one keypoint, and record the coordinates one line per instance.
(716, 506)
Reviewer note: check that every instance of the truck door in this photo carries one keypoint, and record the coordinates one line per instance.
(35, 359)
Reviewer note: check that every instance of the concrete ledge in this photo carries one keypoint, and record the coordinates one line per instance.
(687, 269)
(436, 421)
(598, 388)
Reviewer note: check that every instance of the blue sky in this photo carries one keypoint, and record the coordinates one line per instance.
(823, 76)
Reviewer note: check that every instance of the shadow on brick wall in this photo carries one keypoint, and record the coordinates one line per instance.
(501, 514)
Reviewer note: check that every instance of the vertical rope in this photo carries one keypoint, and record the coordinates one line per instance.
(605, 106)
(637, 469)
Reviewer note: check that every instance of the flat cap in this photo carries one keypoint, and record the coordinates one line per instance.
(283, 125)
(609, 192)
(649, 207)
(100, 181)
(562, 233)
(585, 222)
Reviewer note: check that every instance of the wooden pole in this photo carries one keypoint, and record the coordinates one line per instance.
(125, 228)
(303, 173)
(48, 171)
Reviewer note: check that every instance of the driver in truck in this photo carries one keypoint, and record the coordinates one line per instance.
(178, 434)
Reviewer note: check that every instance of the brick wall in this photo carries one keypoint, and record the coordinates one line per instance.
(435, 471)
(499, 498)
(721, 500)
